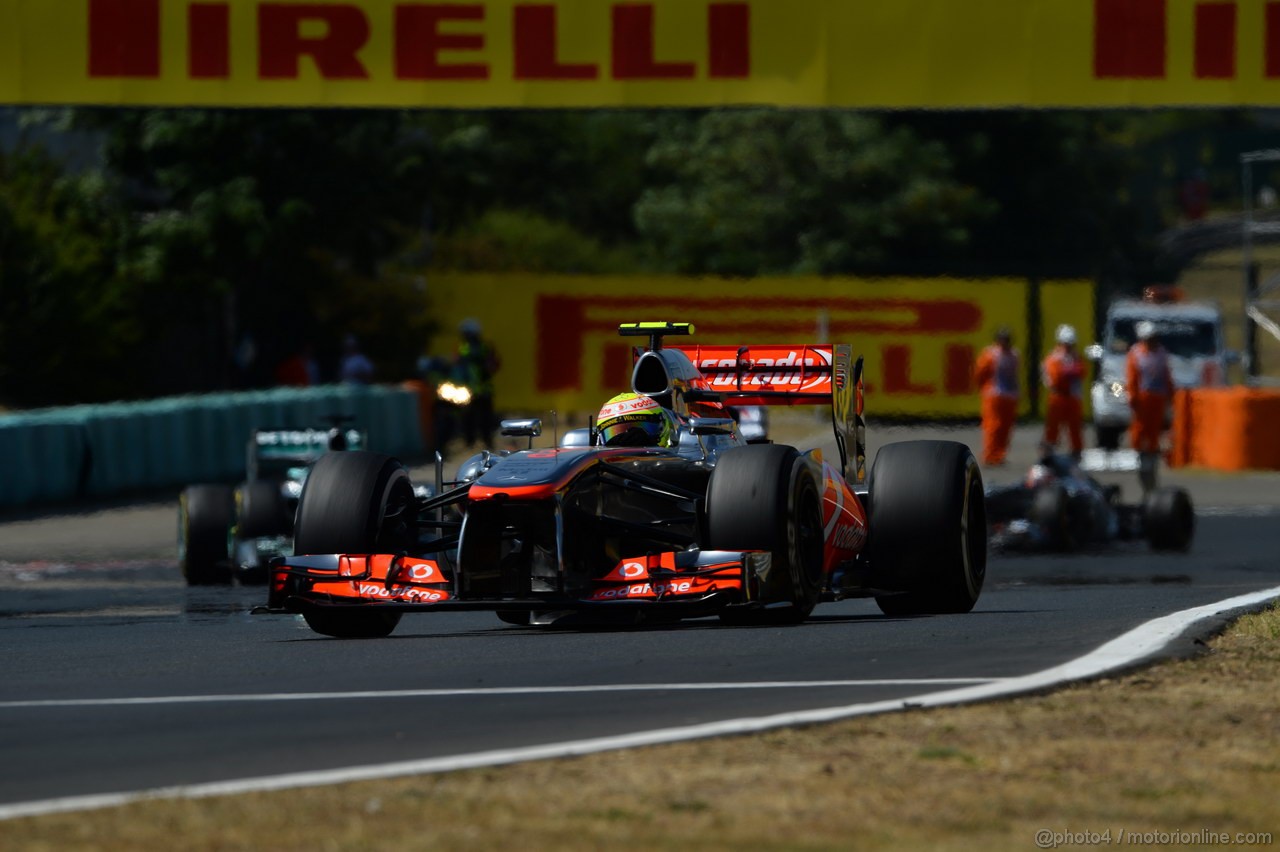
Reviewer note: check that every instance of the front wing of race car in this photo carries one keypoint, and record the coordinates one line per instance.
(684, 583)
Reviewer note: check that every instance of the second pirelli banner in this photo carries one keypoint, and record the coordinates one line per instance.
(606, 53)
(560, 349)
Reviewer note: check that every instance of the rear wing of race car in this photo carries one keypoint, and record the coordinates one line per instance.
(765, 374)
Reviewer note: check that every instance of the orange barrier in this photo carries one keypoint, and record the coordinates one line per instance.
(1180, 451)
(1226, 429)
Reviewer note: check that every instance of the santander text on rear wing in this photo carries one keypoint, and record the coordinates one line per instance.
(811, 374)
(769, 374)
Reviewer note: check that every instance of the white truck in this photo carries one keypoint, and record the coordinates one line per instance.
(1190, 331)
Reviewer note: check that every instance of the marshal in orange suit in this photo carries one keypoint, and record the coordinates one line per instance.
(996, 373)
(1063, 372)
(1150, 382)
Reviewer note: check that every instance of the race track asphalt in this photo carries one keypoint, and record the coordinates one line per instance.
(119, 678)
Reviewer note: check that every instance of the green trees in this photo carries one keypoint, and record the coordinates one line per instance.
(67, 317)
(745, 192)
(203, 230)
(265, 228)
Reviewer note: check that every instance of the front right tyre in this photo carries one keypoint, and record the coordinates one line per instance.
(765, 497)
(1169, 520)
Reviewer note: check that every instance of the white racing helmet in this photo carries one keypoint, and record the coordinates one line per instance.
(1066, 335)
(1145, 329)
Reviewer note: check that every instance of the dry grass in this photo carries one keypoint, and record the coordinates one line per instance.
(1182, 746)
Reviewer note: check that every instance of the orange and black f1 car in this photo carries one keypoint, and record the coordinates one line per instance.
(712, 525)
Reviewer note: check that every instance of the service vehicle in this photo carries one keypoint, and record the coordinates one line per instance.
(226, 532)
(1191, 331)
(584, 532)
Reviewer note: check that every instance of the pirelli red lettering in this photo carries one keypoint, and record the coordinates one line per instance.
(1131, 39)
(209, 41)
(125, 42)
(1215, 48)
(124, 38)
(419, 41)
(281, 44)
(535, 48)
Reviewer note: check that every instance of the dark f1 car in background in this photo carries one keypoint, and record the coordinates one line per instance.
(708, 525)
(753, 423)
(226, 533)
(1060, 507)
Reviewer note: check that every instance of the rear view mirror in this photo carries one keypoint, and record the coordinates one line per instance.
(577, 438)
(531, 428)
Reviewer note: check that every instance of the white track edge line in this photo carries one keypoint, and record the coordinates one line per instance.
(1127, 649)
(248, 698)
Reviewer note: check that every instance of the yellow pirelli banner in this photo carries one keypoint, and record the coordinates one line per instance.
(558, 335)
(618, 53)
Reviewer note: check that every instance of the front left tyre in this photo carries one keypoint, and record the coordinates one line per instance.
(205, 517)
(357, 503)
(928, 528)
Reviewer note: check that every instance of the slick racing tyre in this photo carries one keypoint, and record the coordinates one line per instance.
(765, 497)
(355, 502)
(1168, 519)
(1107, 437)
(928, 530)
(205, 515)
(260, 510)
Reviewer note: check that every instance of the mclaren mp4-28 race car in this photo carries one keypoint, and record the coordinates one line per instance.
(701, 524)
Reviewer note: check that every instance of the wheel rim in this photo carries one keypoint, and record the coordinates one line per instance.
(393, 522)
(184, 527)
(973, 533)
(807, 546)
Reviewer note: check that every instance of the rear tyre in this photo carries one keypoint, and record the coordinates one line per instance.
(360, 503)
(765, 497)
(1169, 519)
(205, 514)
(928, 534)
